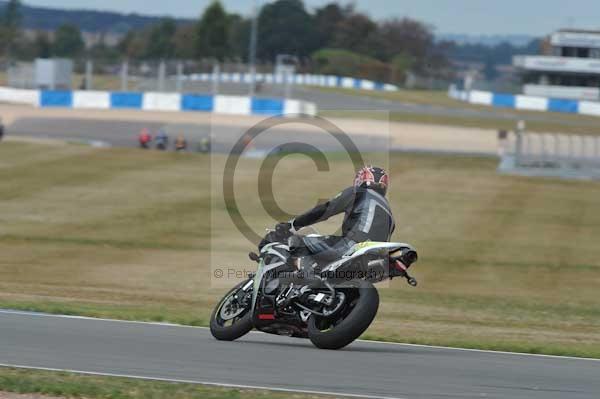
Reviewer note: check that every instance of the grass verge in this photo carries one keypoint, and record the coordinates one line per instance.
(507, 263)
(412, 96)
(69, 385)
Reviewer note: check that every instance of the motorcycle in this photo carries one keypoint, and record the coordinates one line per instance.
(162, 141)
(161, 145)
(329, 302)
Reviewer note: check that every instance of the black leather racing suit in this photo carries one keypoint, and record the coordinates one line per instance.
(367, 216)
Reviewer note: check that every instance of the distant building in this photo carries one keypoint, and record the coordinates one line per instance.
(571, 69)
(55, 73)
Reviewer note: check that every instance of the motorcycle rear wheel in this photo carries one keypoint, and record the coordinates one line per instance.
(351, 322)
(240, 325)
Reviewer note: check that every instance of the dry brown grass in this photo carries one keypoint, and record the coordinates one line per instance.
(506, 262)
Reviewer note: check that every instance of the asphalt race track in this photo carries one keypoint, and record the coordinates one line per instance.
(120, 133)
(364, 369)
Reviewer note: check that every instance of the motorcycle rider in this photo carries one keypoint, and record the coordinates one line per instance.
(144, 138)
(162, 140)
(367, 217)
(180, 143)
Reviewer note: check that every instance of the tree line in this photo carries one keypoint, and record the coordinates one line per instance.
(66, 41)
(332, 39)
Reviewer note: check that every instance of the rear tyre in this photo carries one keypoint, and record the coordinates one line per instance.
(228, 320)
(353, 319)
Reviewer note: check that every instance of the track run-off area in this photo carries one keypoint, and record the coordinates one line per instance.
(363, 369)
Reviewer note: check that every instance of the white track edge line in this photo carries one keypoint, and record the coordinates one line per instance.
(66, 316)
(481, 350)
(164, 324)
(217, 384)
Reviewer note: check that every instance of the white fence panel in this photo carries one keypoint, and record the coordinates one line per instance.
(531, 103)
(232, 105)
(91, 99)
(292, 107)
(153, 101)
(348, 83)
(589, 108)
(19, 96)
(480, 97)
(367, 85)
(308, 108)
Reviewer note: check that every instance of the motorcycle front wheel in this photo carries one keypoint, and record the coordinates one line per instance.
(230, 319)
(350, 322)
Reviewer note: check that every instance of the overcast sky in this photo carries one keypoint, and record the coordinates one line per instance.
(533, 17)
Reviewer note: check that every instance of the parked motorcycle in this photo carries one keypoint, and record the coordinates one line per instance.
(330, 303)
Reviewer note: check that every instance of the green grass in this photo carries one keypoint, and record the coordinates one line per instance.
(62, 384)
(562, 126)
(507, 263)
(556, 123)
(412, 96)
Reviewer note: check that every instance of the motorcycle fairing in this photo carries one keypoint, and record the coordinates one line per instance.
(363, 248)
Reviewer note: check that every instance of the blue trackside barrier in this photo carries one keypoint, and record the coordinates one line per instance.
(524, 102)
(503, 100)
(56, 98)
(126, 100)
(157, 101)
(559, 105)
(197, 102)
(267, 106)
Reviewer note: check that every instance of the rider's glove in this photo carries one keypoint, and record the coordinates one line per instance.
(292, 228)
(285, 227)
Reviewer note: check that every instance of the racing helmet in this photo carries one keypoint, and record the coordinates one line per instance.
(372, 177)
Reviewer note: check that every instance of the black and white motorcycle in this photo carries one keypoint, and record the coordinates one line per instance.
(332, 304)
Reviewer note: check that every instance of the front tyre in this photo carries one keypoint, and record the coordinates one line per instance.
(232, 318)
(350, 322)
